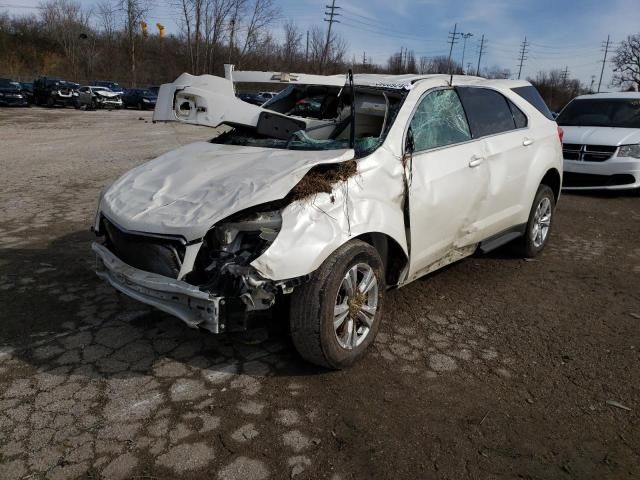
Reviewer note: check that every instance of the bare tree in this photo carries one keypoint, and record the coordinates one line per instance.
(134, 11)
(106, 13)
(627, 63)
(67, 22)
(556, 89)
(263, 13)
(291, 46)
(217, 14)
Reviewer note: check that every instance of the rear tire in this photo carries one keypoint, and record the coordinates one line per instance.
(539, 225)
(332, 323)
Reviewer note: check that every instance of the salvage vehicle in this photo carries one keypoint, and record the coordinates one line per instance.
(602, 142)
(98, 97)
(391, 178)
(112, 86)
(140, 98)
(11, 94)
(53, 91)
(26, 89)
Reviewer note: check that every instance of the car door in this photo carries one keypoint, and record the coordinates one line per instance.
(502, 128)
(448, 183)
(84, 95)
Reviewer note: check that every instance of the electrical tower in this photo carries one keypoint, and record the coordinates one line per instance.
(604, 60)
(481, 52)
(453, 39)
(329, 14)
(564, 75)
(464, 36)
(523, 52)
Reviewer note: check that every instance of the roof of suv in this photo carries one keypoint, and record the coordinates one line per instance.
(611, 95)
(367, 79)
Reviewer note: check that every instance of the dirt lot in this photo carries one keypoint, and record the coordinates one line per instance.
(494, 368)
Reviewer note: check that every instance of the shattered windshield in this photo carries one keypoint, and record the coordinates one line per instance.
(320, 117)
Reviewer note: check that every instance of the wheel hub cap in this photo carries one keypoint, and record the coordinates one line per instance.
(356, 306)
(541, 223)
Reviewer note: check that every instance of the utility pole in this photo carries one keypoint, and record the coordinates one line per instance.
(464, 36)
(306, 56)
(564, 75)
(329, 14)
(523, 52)
(453, 39)
(364, 59)
(604, 60)
(480, 53)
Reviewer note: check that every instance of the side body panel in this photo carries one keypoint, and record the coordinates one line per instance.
(446, 197)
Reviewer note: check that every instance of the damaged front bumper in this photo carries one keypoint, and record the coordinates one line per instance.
(193, 306)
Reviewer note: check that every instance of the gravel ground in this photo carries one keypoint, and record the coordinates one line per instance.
(494, 368)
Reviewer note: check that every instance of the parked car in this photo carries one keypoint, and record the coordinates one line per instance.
(10, 94)
(154, 88)
(394, 178)
(112, 86)
(98, 97)
(51, 91)
(26, 89)
(140, 98)
(602, 141)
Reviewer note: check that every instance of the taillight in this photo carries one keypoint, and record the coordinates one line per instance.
(560, 134)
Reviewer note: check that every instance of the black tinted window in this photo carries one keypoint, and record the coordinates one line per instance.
(531, 95)
(519, 117)
(611, 112)
(487, 110)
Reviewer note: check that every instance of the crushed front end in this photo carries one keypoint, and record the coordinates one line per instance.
(208, 283)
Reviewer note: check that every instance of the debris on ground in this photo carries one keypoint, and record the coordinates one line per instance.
(613, 403)
(322, 178)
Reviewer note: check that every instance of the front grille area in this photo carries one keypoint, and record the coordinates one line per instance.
(587, 153)
(571, 179)
(151, 254)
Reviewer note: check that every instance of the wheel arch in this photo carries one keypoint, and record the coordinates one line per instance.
(392, 254)
(553, 180)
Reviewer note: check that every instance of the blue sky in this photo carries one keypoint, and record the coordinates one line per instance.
(562, 34)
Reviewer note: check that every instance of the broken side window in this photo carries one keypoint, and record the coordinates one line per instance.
(439, 120)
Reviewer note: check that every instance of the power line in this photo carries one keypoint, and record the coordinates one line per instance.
(523, 52)
(604, 60)
(464, 36)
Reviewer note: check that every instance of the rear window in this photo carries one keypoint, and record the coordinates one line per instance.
(487, 110)
(531, 95)
(610, 112)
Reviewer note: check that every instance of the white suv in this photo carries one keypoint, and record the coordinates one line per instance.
(337, 191)
(602, 141)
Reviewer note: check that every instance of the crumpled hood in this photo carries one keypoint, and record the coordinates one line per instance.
(107, 94)
(601, 135)
(186, 191)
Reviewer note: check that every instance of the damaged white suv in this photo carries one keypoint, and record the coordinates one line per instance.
(332, 192)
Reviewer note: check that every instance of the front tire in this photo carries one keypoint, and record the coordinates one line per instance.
(336, 315)
(539, 224)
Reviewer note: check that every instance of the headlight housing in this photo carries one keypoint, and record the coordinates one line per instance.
(632, 151)
(231, 245)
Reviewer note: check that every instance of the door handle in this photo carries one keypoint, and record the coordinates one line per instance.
(475, 161)
(527, 141)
